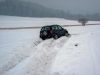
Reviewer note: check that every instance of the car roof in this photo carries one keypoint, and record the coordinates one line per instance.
(51, 25)
(55, 25)
(46, 26)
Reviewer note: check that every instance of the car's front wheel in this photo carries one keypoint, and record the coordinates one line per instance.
(67, 34)
(55, 37)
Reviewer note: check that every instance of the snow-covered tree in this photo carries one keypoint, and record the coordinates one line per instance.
(83, 21)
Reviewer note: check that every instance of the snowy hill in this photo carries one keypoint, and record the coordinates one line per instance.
(22, 52)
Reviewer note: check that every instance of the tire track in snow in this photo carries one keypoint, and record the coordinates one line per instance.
(39, 62)
(17, 55)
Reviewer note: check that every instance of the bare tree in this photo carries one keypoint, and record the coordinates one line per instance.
(83, 21)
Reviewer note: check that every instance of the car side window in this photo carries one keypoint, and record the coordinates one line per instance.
(54, 27)
(59, 27)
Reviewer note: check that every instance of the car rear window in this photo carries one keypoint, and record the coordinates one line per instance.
(45, 28)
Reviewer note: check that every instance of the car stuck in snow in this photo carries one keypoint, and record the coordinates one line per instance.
(53, 31)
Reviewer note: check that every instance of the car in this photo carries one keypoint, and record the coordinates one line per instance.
(53, 31)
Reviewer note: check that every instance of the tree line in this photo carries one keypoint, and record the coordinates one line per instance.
(29, 9)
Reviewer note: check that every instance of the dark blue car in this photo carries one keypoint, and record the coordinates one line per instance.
(53, 31)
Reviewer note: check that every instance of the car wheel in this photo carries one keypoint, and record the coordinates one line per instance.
(68, 35)
(55, 37)
(43, 38)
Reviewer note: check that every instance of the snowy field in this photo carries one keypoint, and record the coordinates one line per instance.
(22, 52)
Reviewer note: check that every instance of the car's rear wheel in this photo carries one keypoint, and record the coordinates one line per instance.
(55, 37)
(43, 38)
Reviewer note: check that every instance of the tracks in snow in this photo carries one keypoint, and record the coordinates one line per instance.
(39, 62)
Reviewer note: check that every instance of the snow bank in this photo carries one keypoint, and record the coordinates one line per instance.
(79, 56)
(15, 46)
(39, 62)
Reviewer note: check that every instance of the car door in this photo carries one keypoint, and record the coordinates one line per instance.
(61, 30)
(54, 30)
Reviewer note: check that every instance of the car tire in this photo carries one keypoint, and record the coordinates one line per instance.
(43, 38)
(67, 35)
(55, 37)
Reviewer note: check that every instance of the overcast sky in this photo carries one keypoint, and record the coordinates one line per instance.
(75, 6)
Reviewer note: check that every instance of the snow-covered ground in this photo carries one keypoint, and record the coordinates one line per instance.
(7, 21)
(22, 52)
